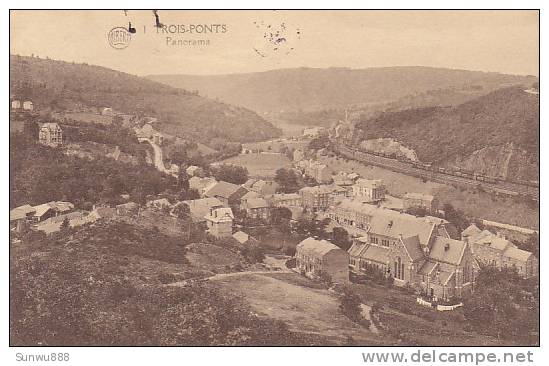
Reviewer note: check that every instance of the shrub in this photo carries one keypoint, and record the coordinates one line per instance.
(291, 263)
(350, 305)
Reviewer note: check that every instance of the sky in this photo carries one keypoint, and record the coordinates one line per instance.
(247, 41)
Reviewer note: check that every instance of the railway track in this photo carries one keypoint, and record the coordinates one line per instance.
(508, 188)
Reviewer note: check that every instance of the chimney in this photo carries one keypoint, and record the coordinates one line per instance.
(390, 223)
(447, 247)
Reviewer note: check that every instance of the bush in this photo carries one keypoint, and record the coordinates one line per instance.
(291, 263)
(253, 254)
(165, 278)
(350, 305)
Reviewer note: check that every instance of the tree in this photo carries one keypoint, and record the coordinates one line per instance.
(319, 142)
(287, 180)
(456, 217)
(504, 305)
(230, 173)
(350, 305)
(417, 211)
(181, 211)
(340, 237)
(281, 216)
(65, 226)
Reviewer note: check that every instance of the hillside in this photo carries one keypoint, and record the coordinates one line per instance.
(57, 85)
(308, 89)
(497, 134)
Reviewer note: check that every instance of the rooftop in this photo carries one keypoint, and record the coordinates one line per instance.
(223, 189)
(447, 250)
(316, 248)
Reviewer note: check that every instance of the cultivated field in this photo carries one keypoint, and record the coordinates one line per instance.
(260, 165)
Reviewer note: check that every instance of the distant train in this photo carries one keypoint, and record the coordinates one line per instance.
(457, 172)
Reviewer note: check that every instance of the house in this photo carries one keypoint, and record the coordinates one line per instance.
(249, 195)
(285, 200)
(298, 155)
(194, 171)
(75, 219)
(344, 181)
(244, 239)
(264, 187)
(202, 184)
(249, 183)
(127, 209)
(229, 194)
(417, 200)
(496, 250)
(371, 190)
(256, 208)
(158, 138)
(15, 104)
(145, 132)
(317, 257)
(353, 176)
(313, 131)
(297, 213)
(317, 198)
(411, 251)
(159, 204)
(316, 170)
(201, 207)
(50, 134)
(46, 210)
(107, 112)
(338, 191)
(20, 217)
(28, 106)
(219, 222)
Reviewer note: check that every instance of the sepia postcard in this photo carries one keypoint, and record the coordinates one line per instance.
(274, 178)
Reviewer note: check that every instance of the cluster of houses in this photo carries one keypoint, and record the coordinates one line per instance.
(416, 252)
(18, 105)
(425, 253)
(47, 217)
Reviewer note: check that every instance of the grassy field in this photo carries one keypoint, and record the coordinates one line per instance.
(260, 165)
(475, 204)
(304, 308)
(89, 117)
(276, 145)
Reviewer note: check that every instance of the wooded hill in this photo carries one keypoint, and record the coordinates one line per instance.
(497, 133)
(310, 89)
(58, 85)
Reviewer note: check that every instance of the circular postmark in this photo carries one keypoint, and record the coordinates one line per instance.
(275, 38)
(119, 38)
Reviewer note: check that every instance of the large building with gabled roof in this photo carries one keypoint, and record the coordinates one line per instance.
(229, 194)
(317, 257)
(415, 252)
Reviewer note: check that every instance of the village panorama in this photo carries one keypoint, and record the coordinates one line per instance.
(391, 206)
